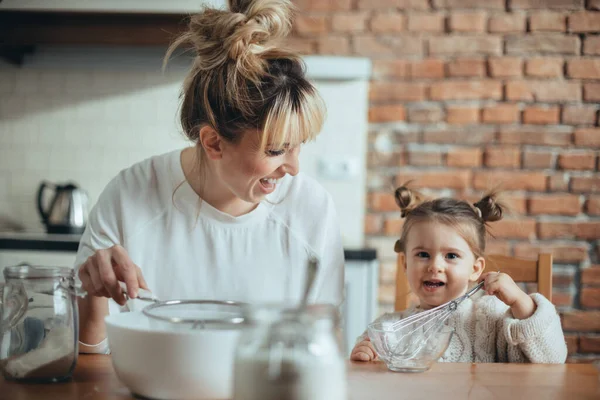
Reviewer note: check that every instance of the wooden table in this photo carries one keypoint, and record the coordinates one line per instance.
(94, 378)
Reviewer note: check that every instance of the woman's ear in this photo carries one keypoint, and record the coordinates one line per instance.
(212, 143)
(478, 268)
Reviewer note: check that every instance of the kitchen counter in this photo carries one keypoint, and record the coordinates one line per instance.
(39, 241)
(95, 378)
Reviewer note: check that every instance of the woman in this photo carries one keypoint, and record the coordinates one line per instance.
(230, 217)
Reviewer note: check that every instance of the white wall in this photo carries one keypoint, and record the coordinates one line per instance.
(84, 115)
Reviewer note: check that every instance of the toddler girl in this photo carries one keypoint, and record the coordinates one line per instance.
(443, 241)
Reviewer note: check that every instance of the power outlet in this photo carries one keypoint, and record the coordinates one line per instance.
(338, 168)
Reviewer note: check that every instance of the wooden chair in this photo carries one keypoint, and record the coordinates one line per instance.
(538, 271)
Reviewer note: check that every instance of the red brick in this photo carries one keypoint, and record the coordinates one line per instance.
(584, 22)
(388, 22)
(591, 45)
(501, 114)
(308, 25)
(587, 137)
(301, 45)
(458, 115)
(507, 23)
(585, 184)
(558, 204)
(542, 43)
(581, 114)
(387, 113)
(552, 4)
(545, 67)
(425, 114)
(371, 46)
(320, 5)
(589, 344)
(386, 159)
(464, 157)
(535, 135)
(381, 201)
(572, 343)
(466, 90)
(541, 115)
(424, 158)
(393, 226)
(380, 91)
(513, 228)
(591, 275)
(590, 297)
(544, 91)
(427, 69)
(505, 67)
(558, 182)
(562, 299)
(516, 202)
(555, 230)
(588, 321)
(453, 179)
(373, 224)
(468, 21)
(538, 159)
(506, 156)
(488, 4)
(500, 247)
(465, 44)
(587, 230)
(509, 180)
(349, 22)
(475, 136)
(466, 67)
(426, 22)
(548, 22)
(584, 68)
(562, 253)
(333, 45)
(592, 205)
(582, 160)
(591, 92)
(383, 69)
(393, 4)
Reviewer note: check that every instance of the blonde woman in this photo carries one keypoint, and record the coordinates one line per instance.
(230, 217)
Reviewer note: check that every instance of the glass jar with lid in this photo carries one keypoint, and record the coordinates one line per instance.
(38, 323)
(289, 354)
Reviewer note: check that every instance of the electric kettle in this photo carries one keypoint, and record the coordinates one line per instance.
(67, 211)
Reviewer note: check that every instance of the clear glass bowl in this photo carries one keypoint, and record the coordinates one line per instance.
(409, 351)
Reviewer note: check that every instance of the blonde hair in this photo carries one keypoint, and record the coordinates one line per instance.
(242, 81)
(470, 220)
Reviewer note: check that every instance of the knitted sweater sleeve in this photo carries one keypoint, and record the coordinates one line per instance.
(537, 339)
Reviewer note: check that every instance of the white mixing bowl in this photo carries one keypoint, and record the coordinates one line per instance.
(160, 360)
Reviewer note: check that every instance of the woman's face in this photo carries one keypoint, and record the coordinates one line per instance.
(251, 174)
(439, 263)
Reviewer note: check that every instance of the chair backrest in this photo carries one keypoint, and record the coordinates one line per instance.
(521, 270)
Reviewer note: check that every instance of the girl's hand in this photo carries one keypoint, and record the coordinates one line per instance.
(101, 273)
(363, 351)
(504, 288)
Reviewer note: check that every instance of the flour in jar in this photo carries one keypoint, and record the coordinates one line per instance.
(301, 377)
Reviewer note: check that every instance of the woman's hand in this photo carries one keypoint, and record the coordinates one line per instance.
(101, 273)
(363, 351)
(504, 288)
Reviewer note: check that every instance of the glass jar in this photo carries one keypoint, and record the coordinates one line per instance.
(39, 324)
(289, 354)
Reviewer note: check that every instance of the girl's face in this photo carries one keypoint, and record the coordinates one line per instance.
(251, 174)
(439, 263)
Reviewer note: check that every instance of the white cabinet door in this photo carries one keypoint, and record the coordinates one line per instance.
(360, 305)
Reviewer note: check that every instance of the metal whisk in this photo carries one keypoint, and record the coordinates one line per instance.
(420, 327)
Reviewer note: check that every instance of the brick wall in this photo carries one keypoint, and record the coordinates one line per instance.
(467, 94)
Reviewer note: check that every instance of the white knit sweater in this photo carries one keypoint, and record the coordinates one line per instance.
(486, 331)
